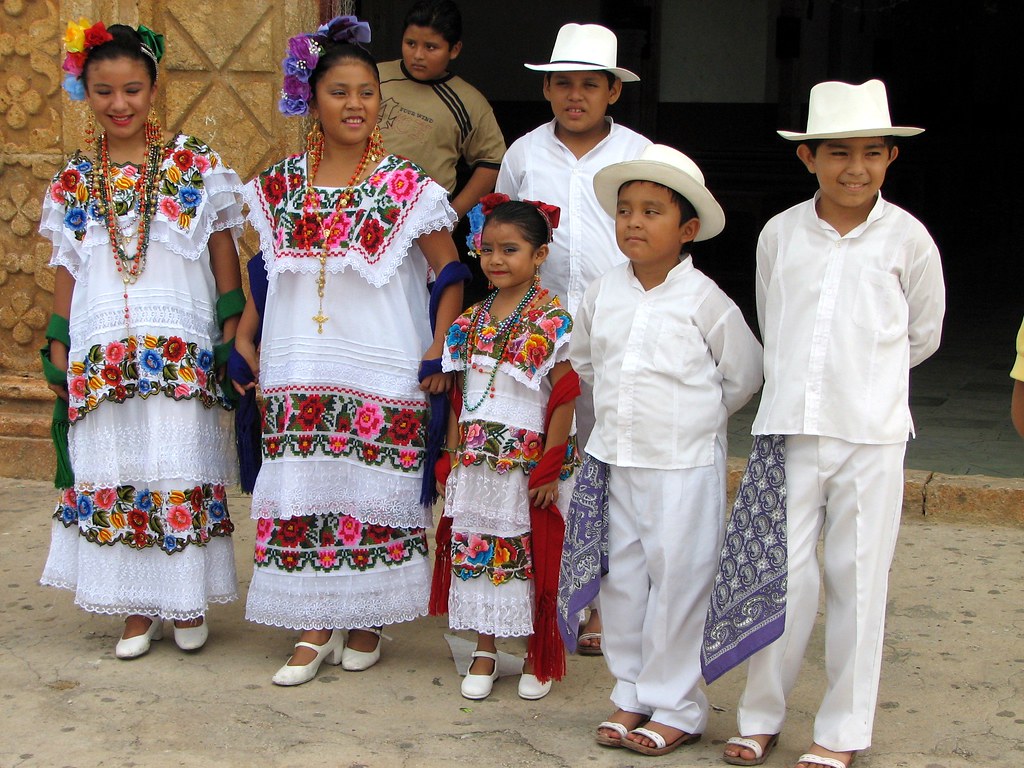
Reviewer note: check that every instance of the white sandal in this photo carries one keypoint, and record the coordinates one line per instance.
(608, 741)
(828, 762)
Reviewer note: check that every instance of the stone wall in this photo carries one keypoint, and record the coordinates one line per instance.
(219, 80)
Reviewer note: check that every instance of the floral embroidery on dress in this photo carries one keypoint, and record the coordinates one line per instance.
(532, 341)
(504, 448)
(376, 211)
(180, 190)
(141, 518)
(332, 542)
(142, 366)
(499, 558)
(343, 423)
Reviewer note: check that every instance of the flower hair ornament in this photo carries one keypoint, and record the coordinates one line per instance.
(304, 51)
(478, 216)
(79, 40)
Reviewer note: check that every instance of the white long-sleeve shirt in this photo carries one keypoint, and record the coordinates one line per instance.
(538, 166)
(667, 365)
(843, 319)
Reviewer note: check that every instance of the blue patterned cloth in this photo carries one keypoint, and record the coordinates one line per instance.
(584, 547)
(748, 602)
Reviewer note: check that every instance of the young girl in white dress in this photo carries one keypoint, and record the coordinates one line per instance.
(146, 291)
(512, 454)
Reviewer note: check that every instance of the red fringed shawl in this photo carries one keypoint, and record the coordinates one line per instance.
(545, 649)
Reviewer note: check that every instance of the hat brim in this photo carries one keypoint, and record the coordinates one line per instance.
(577, 66)
(608, 180)
(889, 130)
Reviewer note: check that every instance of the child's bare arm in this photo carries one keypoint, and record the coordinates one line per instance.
(558, 433)
(245, 345)
(439, 250)
(480, 183)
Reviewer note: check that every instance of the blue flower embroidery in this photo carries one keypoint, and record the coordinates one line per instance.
(152, 362)
(204, 359)
(144, 500)
(217, 510)
(84, 507)
(75, 218)
(170, 543)
(189, 196)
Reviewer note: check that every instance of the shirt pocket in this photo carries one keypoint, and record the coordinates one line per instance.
(880, 306)
(679, 351)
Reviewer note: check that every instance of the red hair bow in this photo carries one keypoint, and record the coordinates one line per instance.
(551, 212)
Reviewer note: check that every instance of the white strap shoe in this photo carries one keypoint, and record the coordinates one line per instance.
(297, 675)
(479, 686)
(133, 647)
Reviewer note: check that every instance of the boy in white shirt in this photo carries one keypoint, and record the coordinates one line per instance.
(669, 357)
(556, 162)
(849, 297)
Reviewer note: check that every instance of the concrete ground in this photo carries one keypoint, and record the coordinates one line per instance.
(951, 691)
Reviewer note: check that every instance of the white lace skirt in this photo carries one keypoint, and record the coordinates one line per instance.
(121, 580)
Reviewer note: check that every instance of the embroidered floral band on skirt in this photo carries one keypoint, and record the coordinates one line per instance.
(335, 422)
(499, 558)
(142, 518)
(327, 543)
(142, 366)
(504, 448)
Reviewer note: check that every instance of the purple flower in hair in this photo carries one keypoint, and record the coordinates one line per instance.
(303, 48)
(292, 107)
(345, 29)
(296, 88)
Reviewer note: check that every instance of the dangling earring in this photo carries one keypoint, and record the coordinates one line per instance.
(536, 278)
(90, 135)
(375, 149)
(315, 140)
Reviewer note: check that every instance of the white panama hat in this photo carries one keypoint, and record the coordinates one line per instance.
(842, 110)
(670, 168)
(585, 48)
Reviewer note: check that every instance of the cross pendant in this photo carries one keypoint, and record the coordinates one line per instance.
(320, 318)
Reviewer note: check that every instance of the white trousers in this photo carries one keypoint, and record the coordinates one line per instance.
(853, 494)
(665, 533)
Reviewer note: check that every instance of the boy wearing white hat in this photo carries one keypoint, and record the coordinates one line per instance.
(669, 357)
(556, 162)
(850, 296)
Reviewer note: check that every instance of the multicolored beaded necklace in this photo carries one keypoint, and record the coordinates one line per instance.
(504, 334)
(130, 267)
(373, 152)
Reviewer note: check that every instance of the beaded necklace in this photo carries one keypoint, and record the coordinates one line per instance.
(504, 335)
(374, 152)
(130, 267)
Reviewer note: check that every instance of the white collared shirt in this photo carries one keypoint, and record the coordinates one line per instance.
(667, 365)
(843, 319)
(538, 166)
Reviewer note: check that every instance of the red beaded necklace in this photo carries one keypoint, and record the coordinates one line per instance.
(130, 267)
(373, 152)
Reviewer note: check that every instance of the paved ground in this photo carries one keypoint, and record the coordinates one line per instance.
(951, 693)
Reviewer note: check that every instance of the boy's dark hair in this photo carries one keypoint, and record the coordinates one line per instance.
(126, 45)
(442, 16)
(686, 209)
(532, 224)
(335, 53)
(813, 144)
(610, 75)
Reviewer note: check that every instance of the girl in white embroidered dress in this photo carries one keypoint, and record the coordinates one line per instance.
(348, 234)
(508, 352)
(143, 242)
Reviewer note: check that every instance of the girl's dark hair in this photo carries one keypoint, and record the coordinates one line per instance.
(442, 16)
(335, 53)
(532, 224)
(126, 45)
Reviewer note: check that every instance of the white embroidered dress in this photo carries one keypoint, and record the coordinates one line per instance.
(340, 539)
(500, 441)
(145, 530)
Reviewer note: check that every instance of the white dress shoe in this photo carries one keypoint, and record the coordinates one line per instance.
(531, 688)
(191, 638)
(297, 675)
(479, 686)
(133, 647)
(356, 661)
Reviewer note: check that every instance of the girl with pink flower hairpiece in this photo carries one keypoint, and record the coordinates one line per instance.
(147, 290)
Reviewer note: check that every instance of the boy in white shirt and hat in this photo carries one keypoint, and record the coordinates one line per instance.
(556, 162)
(669, 357)
(850, 296)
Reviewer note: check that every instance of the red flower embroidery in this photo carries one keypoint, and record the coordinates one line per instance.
(371, 235)
(378, 534)
(310, 411)
(307, 231)
(138, 519)
(196, 499)
(69, 180)
(405, 427)
(292, 531)
(272, 445)
(361, 559)
(182, 159)
(371, 453)
(174, 349)
(111, 374)
(289, 561)
(274, 188)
